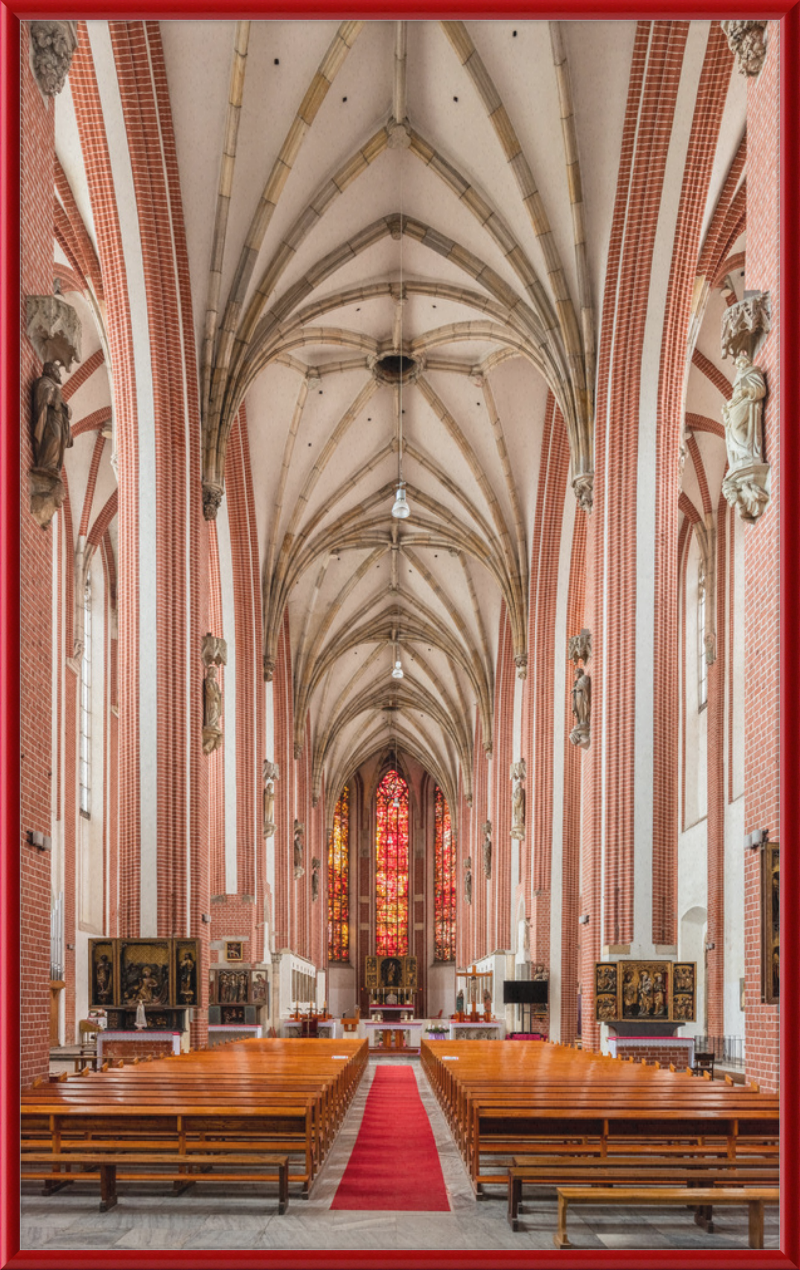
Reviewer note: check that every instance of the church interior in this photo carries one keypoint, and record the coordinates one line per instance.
(430, 779)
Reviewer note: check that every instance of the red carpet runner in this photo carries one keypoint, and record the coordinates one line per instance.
(395, 1164)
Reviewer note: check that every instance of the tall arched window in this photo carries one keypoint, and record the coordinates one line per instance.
(85, 745)
(339, 881)
(702, 664)
(444, 884)
(391, 867)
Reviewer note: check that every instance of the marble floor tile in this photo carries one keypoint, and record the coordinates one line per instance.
(210, 1218)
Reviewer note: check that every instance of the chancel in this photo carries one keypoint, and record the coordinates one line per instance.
(400, 508)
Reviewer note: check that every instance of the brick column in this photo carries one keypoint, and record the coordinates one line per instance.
(36, 616)
(762, 560)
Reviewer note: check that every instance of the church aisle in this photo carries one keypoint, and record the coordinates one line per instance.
(142, 1220)
(394, 1163)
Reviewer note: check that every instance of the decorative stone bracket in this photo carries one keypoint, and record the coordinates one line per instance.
(747, 42)
(52, 46)
(54, 329)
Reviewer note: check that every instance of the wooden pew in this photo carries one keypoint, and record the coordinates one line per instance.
(754, 1197)
(257, 1098)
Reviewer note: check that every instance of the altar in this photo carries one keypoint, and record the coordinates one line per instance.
(330, 1028)
(482, 1030)
(392, 1036)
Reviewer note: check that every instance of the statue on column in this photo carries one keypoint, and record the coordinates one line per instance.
(581, 708)
(214, 653)
(51, 437)
(270, 773)
(518, 774)
(745, 326)
(315, 867)
(468, 880)
(487, 849)
(579, 648)
(298, 849)
(51, 416)
(745, 483)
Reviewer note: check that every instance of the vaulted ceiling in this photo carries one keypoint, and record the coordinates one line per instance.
(415, 190)
(397, 236)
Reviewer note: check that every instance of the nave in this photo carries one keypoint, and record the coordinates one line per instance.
(228, 1217)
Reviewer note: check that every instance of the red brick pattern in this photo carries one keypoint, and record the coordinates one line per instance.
(711, 94)
(36, 598)
(91, 129)
(715, 751)
(571, 824)
(761, 547)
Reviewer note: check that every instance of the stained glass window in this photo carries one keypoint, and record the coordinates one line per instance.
(338, 881)
(444, 884)
(391, 867)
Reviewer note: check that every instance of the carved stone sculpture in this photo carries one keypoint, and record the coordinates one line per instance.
(468, 880)
(521, 663)
(580, 646)
(212, 497)
(487, 849)
(269, 669)
(52, 46)
(746, 323)
(583, 486)
(581, 708)
(746, 484)
(51, 436)
(315, 867)
(271, 772)
(54, 329)
(518, 773)
(214, 653)
(747, 43)
(298, 849)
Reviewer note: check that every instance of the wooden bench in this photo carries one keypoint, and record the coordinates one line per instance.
(252, 1098)
(754, 1197)
(504, 1100)
(673, 1170)
(180, 1168)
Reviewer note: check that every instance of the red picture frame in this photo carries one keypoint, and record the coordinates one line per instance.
(10, 17)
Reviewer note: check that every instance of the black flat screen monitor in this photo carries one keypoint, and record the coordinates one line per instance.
(525, 991)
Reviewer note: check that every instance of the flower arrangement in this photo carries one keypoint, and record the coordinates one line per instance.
(436, 1029)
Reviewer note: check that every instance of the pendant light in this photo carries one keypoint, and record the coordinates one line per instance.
(400, 507)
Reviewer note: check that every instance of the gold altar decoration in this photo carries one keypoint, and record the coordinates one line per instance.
(154, 972)
(770, 923)
(633, 991)
(387, 977)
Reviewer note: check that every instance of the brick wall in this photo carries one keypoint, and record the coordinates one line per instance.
(762, 561)
(36, 548)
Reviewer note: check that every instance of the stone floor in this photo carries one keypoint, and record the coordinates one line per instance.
(143, 1219)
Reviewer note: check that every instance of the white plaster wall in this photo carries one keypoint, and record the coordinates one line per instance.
(90, 831)
(734, 916)
(559, 691)
(229, 696)
(105, 68)
(646, 483)
(441, 994)
(736, 740)
(696, 807)
(692, 912)
(342, 990)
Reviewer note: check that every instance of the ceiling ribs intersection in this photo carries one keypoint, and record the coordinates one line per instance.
(535, 320)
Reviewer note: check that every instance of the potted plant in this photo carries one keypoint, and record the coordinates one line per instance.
(436, 1031)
